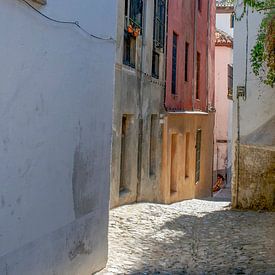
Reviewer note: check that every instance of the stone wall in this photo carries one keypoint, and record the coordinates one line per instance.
(254, 182)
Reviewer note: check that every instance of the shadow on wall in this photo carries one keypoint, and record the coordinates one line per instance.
(222, 242)
(264, 135)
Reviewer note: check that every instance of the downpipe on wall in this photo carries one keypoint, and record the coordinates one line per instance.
(241, 93)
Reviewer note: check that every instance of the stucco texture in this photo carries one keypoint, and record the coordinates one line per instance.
(55, 136)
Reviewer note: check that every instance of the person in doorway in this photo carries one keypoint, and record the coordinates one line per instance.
(219, 183)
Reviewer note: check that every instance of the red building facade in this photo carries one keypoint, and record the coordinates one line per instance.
(190, 82)
(188, 131)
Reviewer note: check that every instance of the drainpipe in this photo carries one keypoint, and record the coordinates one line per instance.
(243, 95)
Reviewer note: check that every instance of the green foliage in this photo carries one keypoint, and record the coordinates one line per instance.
(263, 52)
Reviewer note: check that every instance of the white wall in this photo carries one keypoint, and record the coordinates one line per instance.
(56, 91)
(223, 22)
(258, 108)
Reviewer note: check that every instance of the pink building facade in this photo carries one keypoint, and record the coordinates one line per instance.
(223, 120)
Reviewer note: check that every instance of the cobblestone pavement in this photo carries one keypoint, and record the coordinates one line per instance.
(190, 237)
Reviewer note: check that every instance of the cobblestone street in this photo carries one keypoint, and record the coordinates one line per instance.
(190, 237)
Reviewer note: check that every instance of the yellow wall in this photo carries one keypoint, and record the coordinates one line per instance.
(175, 175)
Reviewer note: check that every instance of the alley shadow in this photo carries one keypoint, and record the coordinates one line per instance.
(221, 242)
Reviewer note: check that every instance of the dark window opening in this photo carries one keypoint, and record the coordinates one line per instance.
(230, 81)
(125, 153)
(133, 13)
(174, 164)
(187, 143)
(199, 5)
(174, 63)
(153, 145)
(159, 24)
(133, 27)
(232, 18)
(129, 53)
(186, 61)
(155, 65)
(198, 156)
(198, 75)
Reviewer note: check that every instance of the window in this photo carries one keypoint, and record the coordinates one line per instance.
(198, 156)
(133, 13)
(186, 61)
(175, 165)
(125, 153)
(129, 53)
(187, 142)
(153, 145)
(230, 81)
(133, 28)
(155, 65)
(198, 75)
(199, 5)
(232, 18)
(159, 24)
(174, 63)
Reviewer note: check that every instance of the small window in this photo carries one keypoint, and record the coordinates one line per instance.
(155, 65)
(199, 5)
(129, 54)
(133, 28)
(232, 18)
(174, 63)
(186, 61)
(133, 13)
(187, 143)
(198, 156)
(153, 145)
(198, 75)
(230, 81)
(159, 24)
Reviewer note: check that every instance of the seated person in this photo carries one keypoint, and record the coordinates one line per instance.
(219, 183)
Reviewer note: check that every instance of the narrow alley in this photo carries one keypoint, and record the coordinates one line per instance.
(190, 237)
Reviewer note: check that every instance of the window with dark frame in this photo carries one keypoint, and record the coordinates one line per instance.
(230, 81)
(186, 61)
(159, 24)
(232, 18)
(133, 13)
(129, 53)
(153, 145)
(198, 75)
(174, 63)
(198, 156)
(155, 65)
(133, 18)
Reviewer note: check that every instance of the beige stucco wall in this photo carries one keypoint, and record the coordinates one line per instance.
(180, 125)
(255, 188)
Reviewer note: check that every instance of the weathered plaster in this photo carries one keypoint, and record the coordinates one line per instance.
(139, 96)
(55, 136)
(255, 120)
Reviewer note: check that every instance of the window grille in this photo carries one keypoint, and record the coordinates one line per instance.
(159, 24)
(198, 156)
(174, 63)
(230, 81)
(198, 75)
(186, 61)
(155, 65)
